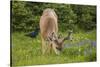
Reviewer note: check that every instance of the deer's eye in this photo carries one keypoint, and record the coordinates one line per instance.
(55, 40)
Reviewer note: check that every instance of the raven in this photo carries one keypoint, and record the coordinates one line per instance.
(33, 34)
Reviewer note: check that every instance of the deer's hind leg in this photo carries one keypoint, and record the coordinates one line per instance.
(43, 47)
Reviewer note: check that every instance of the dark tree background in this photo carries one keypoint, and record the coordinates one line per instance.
(26, 15)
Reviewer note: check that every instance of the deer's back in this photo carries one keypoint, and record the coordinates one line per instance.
(48, 24)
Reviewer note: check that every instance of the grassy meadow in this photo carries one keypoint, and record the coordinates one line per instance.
(25, 17)
(27, 51)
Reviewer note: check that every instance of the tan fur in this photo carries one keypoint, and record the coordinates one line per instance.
(48, 24)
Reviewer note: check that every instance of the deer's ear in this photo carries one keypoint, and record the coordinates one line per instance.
(49, 37)
(54, 36)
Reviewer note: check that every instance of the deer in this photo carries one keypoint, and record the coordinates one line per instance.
(49, 32)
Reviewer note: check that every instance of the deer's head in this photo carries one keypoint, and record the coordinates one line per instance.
(58, 42)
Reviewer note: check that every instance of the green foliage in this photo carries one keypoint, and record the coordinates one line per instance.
(26, 16)
(86, 16)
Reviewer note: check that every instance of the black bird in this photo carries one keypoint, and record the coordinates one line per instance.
(33, 34)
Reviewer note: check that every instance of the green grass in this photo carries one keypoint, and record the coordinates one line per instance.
(27, 51)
